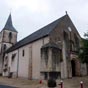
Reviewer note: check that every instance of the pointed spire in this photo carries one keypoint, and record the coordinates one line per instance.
(9, 21)
(9, 25)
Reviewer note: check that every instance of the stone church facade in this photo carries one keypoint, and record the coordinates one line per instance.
(51, 51)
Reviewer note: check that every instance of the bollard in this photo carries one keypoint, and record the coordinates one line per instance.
(40, 81)
(61, 84)
(81, 84)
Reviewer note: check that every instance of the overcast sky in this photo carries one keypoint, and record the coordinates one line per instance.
(31, 15)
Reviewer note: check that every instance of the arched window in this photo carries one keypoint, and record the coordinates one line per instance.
(10, 36)
(4, 47)
(23, 52)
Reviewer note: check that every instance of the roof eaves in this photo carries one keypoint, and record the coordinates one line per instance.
(12, 48)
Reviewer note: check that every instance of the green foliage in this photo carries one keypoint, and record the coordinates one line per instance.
(83, 54)
(86, 35)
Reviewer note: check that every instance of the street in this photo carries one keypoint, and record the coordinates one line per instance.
(4, 86)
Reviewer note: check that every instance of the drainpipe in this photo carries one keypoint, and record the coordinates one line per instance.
(18, 63)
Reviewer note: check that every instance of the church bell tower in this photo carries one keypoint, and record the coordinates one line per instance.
(8, 37)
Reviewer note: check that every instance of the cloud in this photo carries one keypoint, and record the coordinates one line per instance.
(30, 15)
(32, 5)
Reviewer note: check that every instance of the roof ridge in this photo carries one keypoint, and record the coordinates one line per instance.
(42, 32)
(44, 27)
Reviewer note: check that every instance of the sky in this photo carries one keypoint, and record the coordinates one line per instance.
(30, 15)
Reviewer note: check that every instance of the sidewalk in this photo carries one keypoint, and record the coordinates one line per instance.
(20, 83)
(24, 83)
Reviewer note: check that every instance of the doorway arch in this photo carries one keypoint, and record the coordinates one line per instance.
(73, 65)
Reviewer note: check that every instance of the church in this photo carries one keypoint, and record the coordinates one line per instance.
(51, 51)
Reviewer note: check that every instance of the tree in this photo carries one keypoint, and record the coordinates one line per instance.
(86, 35)
(83, 54)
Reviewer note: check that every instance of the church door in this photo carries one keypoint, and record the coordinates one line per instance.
(73, 68)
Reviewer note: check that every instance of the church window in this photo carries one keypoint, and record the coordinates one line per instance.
(23, 53)
(76, 42)
(10, 36)
(13, 56)
(4, 47)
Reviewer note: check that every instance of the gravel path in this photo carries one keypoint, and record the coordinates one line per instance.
(24, 83)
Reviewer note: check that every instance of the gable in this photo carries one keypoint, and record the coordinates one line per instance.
(63, 26)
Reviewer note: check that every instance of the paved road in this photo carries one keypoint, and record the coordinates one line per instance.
(3, 86)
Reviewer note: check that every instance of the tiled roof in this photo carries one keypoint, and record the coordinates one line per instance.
(45, 31)
(9, 25)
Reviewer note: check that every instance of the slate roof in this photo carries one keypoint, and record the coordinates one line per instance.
(9, 25)
(45, 31)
